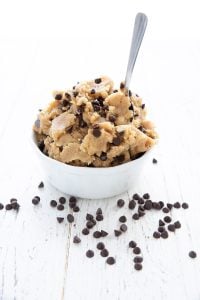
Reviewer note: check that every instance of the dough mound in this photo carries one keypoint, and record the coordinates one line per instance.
(94, 125)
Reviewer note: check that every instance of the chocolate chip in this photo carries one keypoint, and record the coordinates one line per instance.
(131, 204)
(89, 217)
(41, 185)
(58, 96)
(97, 80)
(97, 234)
(68, 96)
(185, 205)
(156, 205)
(85, 231)
(156, 235)
(117, 232)
(165, 210)
(129, 93)
(141, 201)
(76, 209)
(123, 227)
(148, 205)
(132, 244)
(138, 259)
(161, 204)
(192, 254)
(102, 113)
(154, 161)
(103, 156)
(104, 233)
(122, 219)
(75, 94)
(76, 240)
(96, 132)
(164, 234)
(141, 213)
(169, 206)
(136, 197)
(62, 200)
(167, 219)
(36, 200)
(15, 205)
(92, 91)
(96, 108)
(138, 266)
(90, 253)
(143, 106)
(161, 229)
(177, 205)
(116, 141)
(74, 87)
(171, 227)
(60, 220)
(120, 203)
(161, 223)
(104, 253)
(72, 204)
(99, 217)
(112, 118)
(141, 128)
(120, 158)
(41, 145)
(8, 207)
(100, 246)
(135, 216)
(136, 250)
(13, 200)
(110, 260)
(146, 196)
(131, 107)
(82, 123)
(65, 102)
(60, 207)
(122, 85)
(94, 222)
(72, 199)
(89, 224)
(141, 208)
(115, 91)
(177, 224)
(1, 206)
(99, 211)
(70, 218)
(101, 100)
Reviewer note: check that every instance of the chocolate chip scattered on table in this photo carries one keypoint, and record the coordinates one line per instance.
(192, 254)
(141, 204)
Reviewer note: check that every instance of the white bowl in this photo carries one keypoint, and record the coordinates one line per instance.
(88, 182)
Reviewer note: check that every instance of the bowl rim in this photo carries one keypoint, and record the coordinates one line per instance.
(120, 167)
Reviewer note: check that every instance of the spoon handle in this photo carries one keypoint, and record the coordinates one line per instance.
(138, 33)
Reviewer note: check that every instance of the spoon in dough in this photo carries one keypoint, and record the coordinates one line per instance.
(138, 33)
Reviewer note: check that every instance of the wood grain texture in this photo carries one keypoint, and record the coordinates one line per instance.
(38, 259)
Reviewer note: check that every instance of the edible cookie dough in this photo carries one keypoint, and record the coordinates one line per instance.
(94, 125)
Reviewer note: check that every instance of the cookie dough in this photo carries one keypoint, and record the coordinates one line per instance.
(94, 125)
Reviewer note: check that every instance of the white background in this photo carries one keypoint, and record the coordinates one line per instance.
(47, 45)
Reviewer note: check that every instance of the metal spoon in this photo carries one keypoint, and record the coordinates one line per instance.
(138, 33)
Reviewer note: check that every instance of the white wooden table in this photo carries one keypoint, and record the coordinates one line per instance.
(38, 259)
